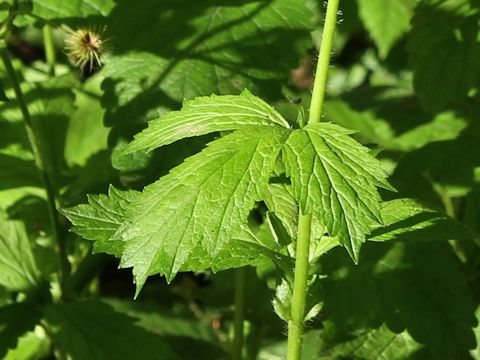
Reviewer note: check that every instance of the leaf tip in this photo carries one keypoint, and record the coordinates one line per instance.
(139, 282)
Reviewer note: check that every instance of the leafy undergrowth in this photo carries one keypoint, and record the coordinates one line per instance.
(150, 199)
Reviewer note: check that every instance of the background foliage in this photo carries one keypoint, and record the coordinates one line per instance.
(405, 77)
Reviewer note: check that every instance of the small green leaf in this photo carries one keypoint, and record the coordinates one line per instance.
(386, 20)
(92, 330)
(336, 179)
(280, 200)
(18, 271)
(205, 115)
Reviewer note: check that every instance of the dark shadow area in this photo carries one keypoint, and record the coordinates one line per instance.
(51, 104)
(406, 285)
(198, 48)
(444, 163)
(443, 52)
(402, 113)
(16, 172)
(433, 228)
(16, 320)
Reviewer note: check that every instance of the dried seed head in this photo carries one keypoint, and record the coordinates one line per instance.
(85, 48)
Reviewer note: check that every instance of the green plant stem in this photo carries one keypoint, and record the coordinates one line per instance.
(41, 162)
(239, 314)
(295, 325)
(50, 54)
(320, 84)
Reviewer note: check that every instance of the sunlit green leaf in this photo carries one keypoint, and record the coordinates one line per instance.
(335, 179)
(206, 115)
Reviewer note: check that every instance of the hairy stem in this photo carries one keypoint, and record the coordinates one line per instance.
(320, 84)
(50, 54)
(295, 325)
(42, 164)
(239, 314)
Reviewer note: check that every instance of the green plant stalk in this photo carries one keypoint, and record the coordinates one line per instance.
(50, 54)
(239, 314)
(41, 162)
(295, 325)
(320, 83)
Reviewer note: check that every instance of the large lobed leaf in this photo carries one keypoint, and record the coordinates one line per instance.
(335, 179)
(204, 200)
(195, 217)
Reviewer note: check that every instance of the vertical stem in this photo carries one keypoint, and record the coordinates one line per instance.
(50, 54)
(295, 325)
(41, 163)
(239, 314)
(320, 84)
